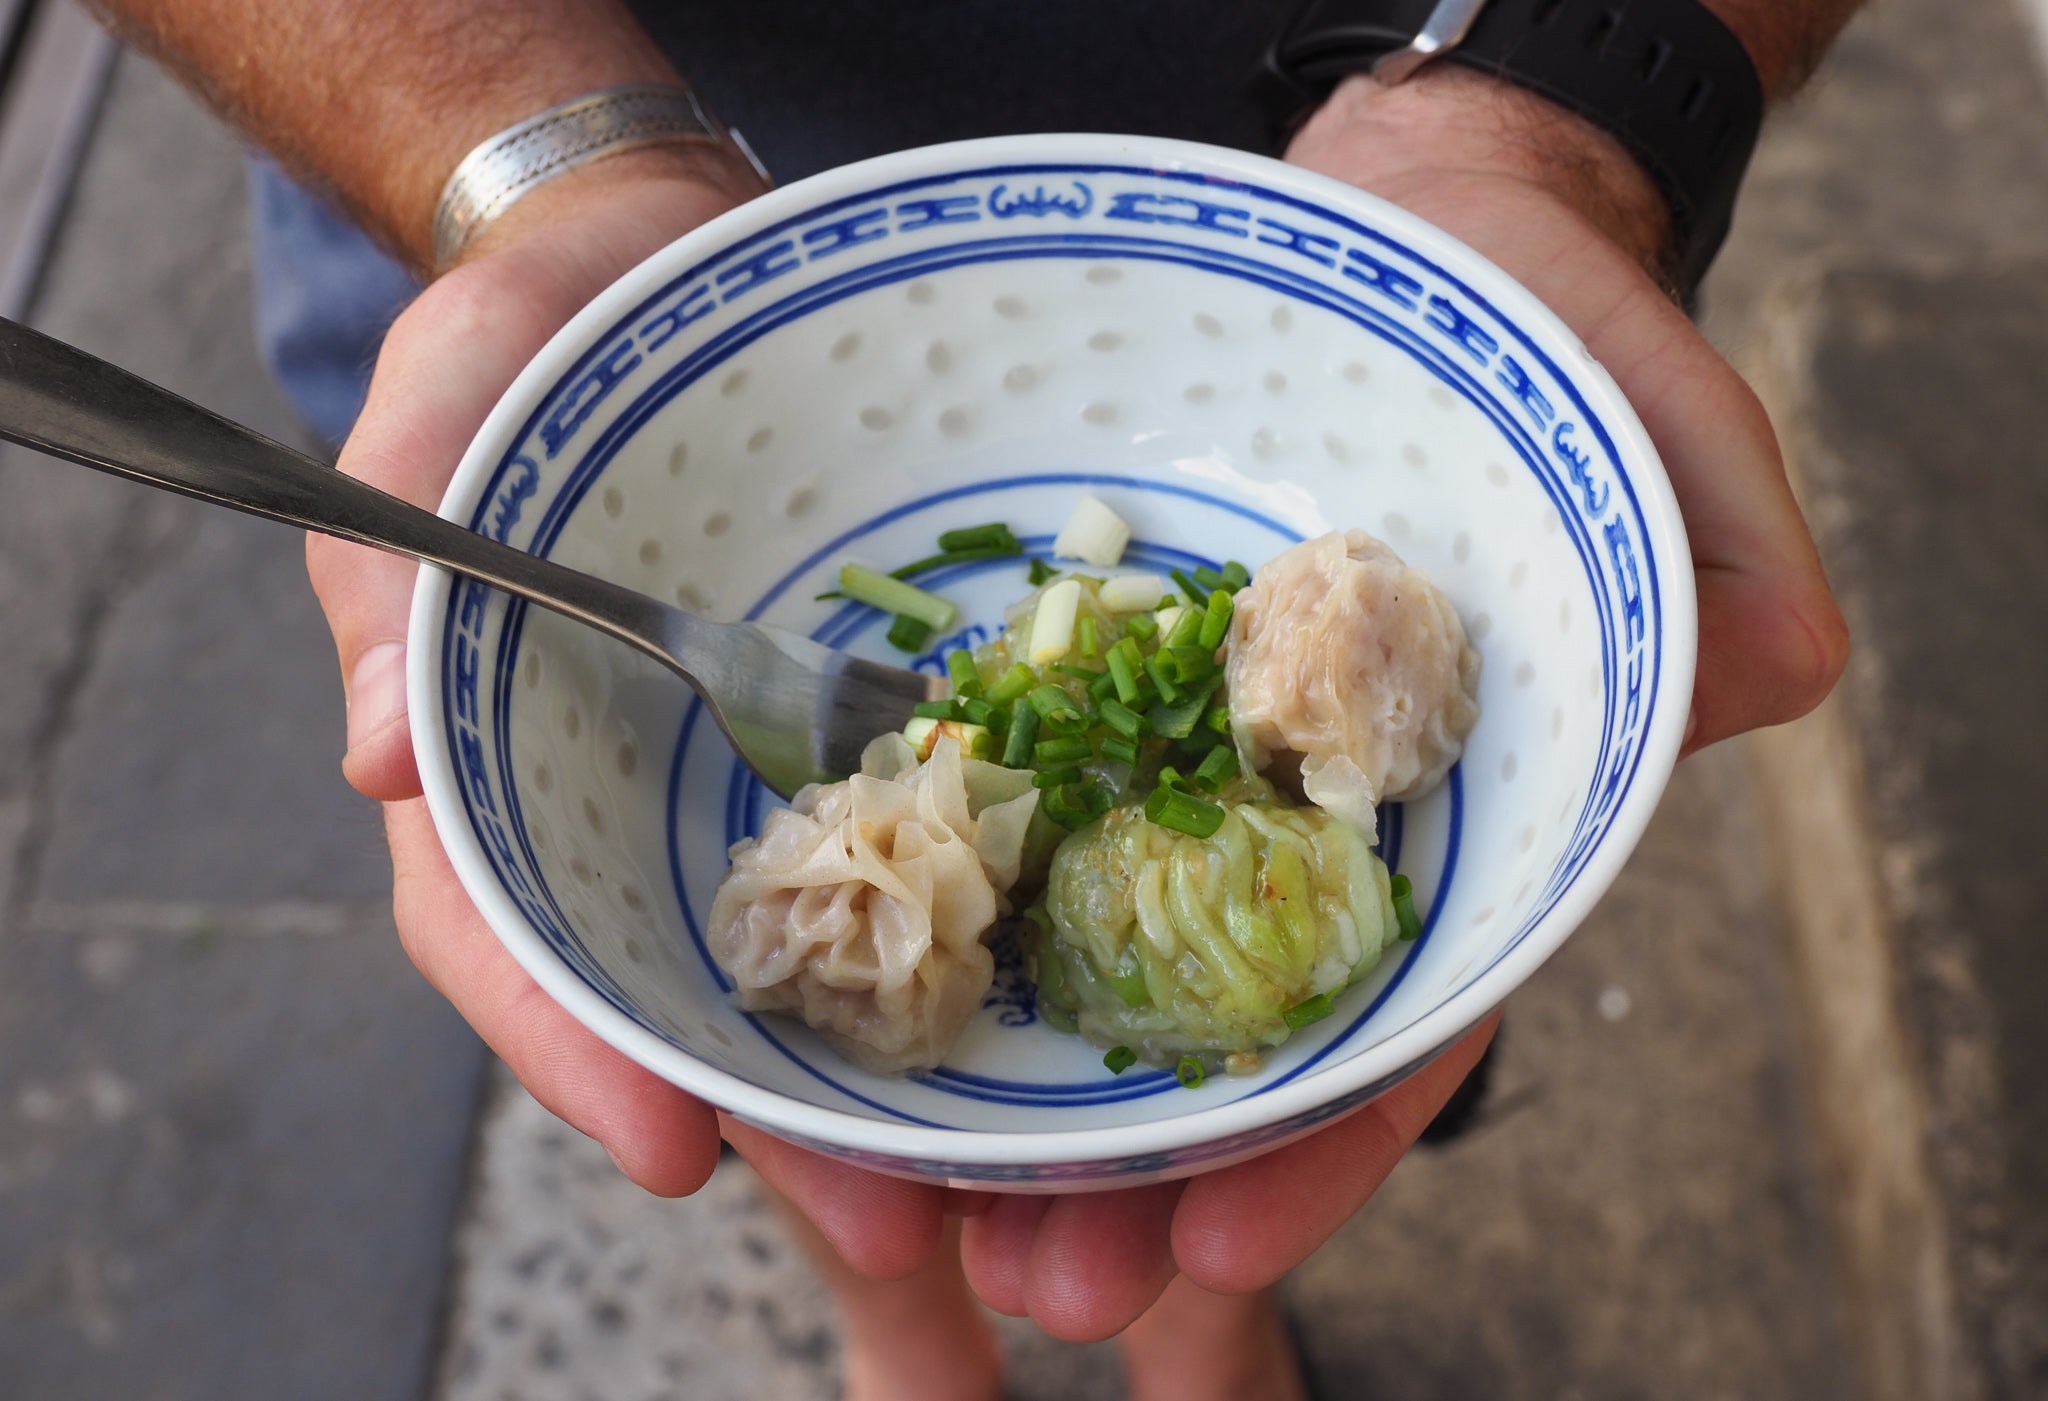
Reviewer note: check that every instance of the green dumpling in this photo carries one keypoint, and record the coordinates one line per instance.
(1175, 945)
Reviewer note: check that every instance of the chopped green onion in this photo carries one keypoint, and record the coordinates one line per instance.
(1169, 777)
(908, 634)
(1057, 709)
(1070, 812)
(1168, 692)
(1404, 909)
(976, 711)
(1307, 1013)
(936, 710)
(1079, 673)
(1103, 686)
(944, 557)
(1123, 669)
(1040, 572)
(1216, 620)
(960, 667)
(1187, 628)
(1015, 684)
(1183, 812)
(864, 585)
(1056, 778)
(1142, 626)
(1217, 768)
(1194, 594)
(1191, 664)
(978, 537)
(1120, 1059)
(1190, 1073)
(1235, 575)
(1205, 576)
(1065, 750)
(1121, 750)
(1086, 629)
(1124, 720)
(1023, 733)
(1176, 719)
(1218, 718)
(1097, 799)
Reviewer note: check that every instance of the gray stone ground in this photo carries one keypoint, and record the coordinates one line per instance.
(238, 1159)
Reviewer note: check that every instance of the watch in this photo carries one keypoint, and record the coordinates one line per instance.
(1666, 78)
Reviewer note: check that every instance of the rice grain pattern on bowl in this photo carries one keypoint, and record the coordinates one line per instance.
(1235, 355)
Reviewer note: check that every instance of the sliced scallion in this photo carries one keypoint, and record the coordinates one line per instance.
(936, 710)
(1217, 768)
(1218, 718)
(1168, 690)
(1235, 575)
(908, 634)
(1308, 1013)
(1040, 572)
(877, 590)
(1124, 720)
(1190, 1073)
(1403, 892)
(1066, 749)
(1183, 812)
(960, 669)
(1013, 685)
(1124, 751)
(1023, 734)
(1216, 620)
(1085, 630)
(1142, 626)
(994, 535)
(1120, 1059)
(1195, 593)
(1056, 778)
(1124, 663)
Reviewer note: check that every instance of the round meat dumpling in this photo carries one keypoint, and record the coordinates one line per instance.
(1346, 656)
(862, 906)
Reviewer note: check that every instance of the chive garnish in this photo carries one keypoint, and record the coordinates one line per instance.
(1122, 750)
(1141, 626)
(966, 677)
(1403, 892)
(1120, 1059)
(1086, 630)
(1056, 778)
(1195, 595)
(1123, 669)
(1124, 720)
(1102, 686)
(1057, 710)
(1079, 673)
(994, 535)
(1205, 576)
(1217, 768)
(1015, 683)
(908, 634)
(936, 710)
(1216, 620)
(864, 585)
(1235, 575)
(1023, 733)
(1306, 1013)
(976, 711)
(1190, 1073)
(1168, 691)
(1187, 628)
(1067, 749)
(1183, 812)
(1218, 719)
(1040, 572)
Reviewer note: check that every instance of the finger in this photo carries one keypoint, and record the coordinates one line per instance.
(1101, 1259)
(662, 1138)
(1772, 640)
(995, 1250)
(883, 1227)
(962, 1204)
(1243, 1227)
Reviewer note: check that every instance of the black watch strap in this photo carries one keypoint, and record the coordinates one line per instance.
(1667, 78)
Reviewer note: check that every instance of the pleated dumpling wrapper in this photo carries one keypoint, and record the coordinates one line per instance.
(1346, 656)
(863, 906)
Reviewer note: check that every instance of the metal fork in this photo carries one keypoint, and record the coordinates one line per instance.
(796, 712)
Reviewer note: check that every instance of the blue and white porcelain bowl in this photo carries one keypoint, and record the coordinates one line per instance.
(1235, 355)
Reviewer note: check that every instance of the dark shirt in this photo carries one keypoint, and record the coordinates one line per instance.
(814, 84)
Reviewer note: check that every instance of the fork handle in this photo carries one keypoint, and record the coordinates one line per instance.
(62, 401)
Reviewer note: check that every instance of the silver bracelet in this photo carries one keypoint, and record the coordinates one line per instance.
(570, 134)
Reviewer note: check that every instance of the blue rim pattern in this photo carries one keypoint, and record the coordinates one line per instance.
(1401, 296)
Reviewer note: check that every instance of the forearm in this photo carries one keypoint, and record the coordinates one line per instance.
(377, 103)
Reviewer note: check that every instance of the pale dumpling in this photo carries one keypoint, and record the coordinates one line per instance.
(862, 906)
(1344, 655)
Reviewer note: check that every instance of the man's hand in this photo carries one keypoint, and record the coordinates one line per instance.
(1565, 210)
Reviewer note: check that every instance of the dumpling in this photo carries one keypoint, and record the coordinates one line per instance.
(862, 906)
(1348, 657)
(1174, 944)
